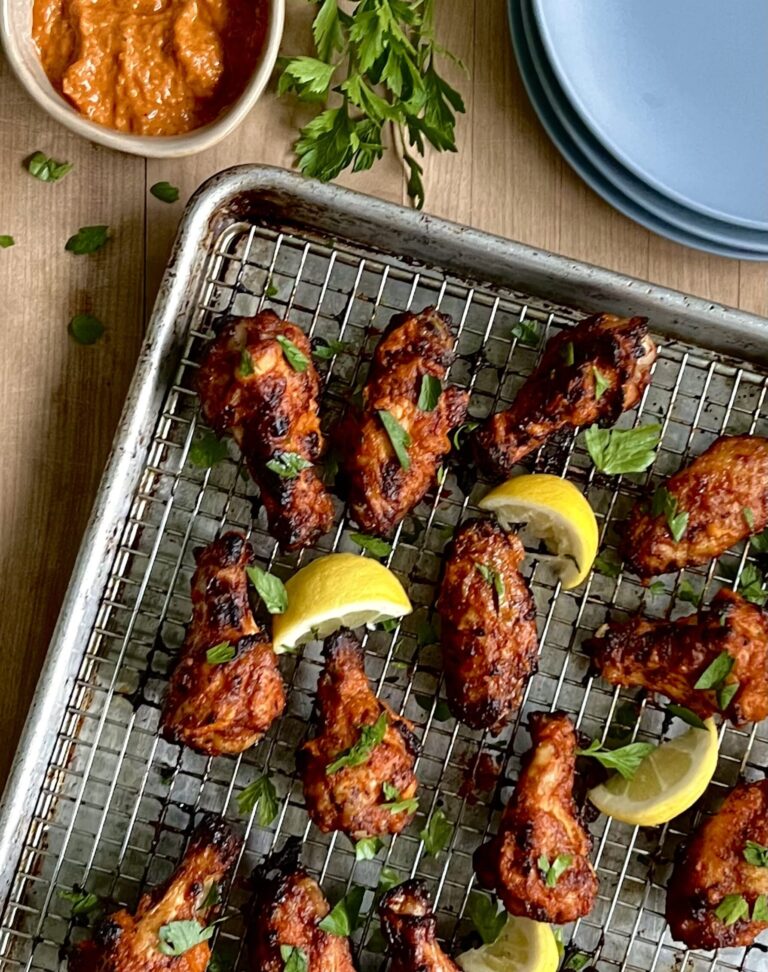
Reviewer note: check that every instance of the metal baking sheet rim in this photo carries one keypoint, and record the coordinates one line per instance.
(330, 210)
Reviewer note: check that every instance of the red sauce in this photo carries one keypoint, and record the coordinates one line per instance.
(151, 67)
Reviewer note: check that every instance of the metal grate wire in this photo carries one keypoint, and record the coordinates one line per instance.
(119, 802)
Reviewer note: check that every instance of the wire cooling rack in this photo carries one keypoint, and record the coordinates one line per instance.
(119, 802)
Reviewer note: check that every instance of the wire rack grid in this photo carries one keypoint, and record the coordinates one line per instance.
(119, 802)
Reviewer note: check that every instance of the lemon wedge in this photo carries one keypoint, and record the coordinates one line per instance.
(668, 781)
(522, 946)
(554, 511)
(339, 590)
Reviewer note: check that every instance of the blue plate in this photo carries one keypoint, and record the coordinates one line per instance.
(586, 169)
(676, 90)
(612, 170)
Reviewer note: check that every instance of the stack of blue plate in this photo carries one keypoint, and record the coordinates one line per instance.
(661, 106)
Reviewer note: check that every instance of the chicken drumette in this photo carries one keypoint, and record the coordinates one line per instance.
(144, 941)
(258, 383)
(721, 498)
(358, 770)
(670, 657)
(285, 913)
(409, 928)
(712, 895)
(215, 706)
(538, 863)
(489, 635)
(391, 447)
(589, 373)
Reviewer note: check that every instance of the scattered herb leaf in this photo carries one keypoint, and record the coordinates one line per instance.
(751, 585)
(618, 451)
(223, 652)
(442, 713)
(486, 916)
(293, 354)
(576, 962)
(726, 693)
(396, 804)
(83, 902)
(602, 384)
(749, 517)
(360, 752)
(686, 592)
(178, 937)
(245, 369)
(87, 239)
(663, 503)
(212, 898)
(374, 545)
(526, 332)
(294, 958)
(85, 328)
(715, 673)
(207, 451)
(491, 576)
(388, 878)
(344, 917)
(755, 854)
(367, 848)
(554, 871)
(461, 431)
(270, 589)
(760, 908)
(165, 192)
(400, 439)
(288, 465)
(732, 908)
(656, 588)
(686, 715)
(567, 353)
(607, 565)
(430, 392)
(625, 760)
(330, 348)
(44, 168)
(760, 542)
(437, 833)
(6, 241)
(260, 793)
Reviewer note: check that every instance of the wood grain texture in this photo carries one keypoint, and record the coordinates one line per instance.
(59, 402)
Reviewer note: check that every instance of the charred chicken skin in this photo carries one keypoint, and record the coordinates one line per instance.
(717, 865)
(539, 863)
(670, 657)
(286, 909)
(223, 707)
(257, 382)
(723, 493)
(415, 351)
(357, 794)
(588, 374)
(409, 928)
(125, 942)
(489, 634)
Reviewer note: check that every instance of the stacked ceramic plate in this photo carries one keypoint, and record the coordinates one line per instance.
(661, 106)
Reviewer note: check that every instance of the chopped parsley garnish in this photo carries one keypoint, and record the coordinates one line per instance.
(83, 902)
(486, 916)
(44, 168)
(664, 504)
(270, 589)
(567, 353)
(751, 585)
(749, 517)
(715, 673)
(602, 384)
(329, 349)
(374, 545)
(360, 752)
(437, 833)
(442, 713)
(165, 192)
(294, 958)
(687, 593)
(223, 652)
(625, 760)
(245, 369)
(293, 354)
(87, 239)
(656, 588)
(344, 917)
(6, 241)
(260, 793)
(618, 451)
(399, 437)
(756, 854)
(686, 715)
(288, 465)
(461, 432)
(606, 564)
(554, 871)
(396, 804)
(367, 848)
(178, 937)
(429, 394)
(732, 908)
(526, 332)
(85, 328)
(207, 451)
(388, 878)
(491, 576)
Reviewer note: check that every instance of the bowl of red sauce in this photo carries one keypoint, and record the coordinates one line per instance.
(159, 78)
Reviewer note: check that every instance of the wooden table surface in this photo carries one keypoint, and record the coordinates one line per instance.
(59, 401)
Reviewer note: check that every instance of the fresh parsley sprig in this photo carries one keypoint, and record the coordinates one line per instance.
(552, 872)
(380, 63)
(618, 451)
(625, 760)
(437, 833)
(360, 752)
(665, 503)
(344, 917)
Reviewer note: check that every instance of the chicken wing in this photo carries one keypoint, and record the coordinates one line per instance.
(723, 863)
(721, 498)
(358, 770)
(409, 928)
(670, 657)
(488, 625)
(538, 863)
(258, 383)
(392, 447)
(220, 707)
(285, 913)
(589, 373)
(144, 941)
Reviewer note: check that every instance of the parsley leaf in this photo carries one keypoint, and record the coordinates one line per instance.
(330, 349)
(732, 908)
(344, 917)
(85, 328)
(288, 465)
(207, 451)
(754, 853)
(87, 239)
(686, 715)
(400, 439)
(760, 909)
(491, 576)
(442, 713)
(486, 916)
(44, 168)
(437, 833)
(749, 517)
(576, 962)
(526, 332)
(245, 368)
(223, 652)
(177, 937)
(388, 878)
(308, 77)
(294, 958)
(751, 585)
(260, 793)
(360, 752)
(760, 542)
(554, 871)
(715, 673)
(293, 354)
(165, 192)
(374, 545)
(367, 848)
(602, 384)
(566, 352)
(6, 241)
(618, 451)
(395, 804)
(430, 392)
(687, 593)
(461, 432)
(607, 565)
(270, 589)
(83, 902)
(656, 588)
(664, 503)
(625, 760)
(726, 693)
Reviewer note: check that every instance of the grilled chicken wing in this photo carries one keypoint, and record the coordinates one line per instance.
(228, 706)
(286, 909)
(124, 942)
(724, 494)
(540, 830)
(356, 797)
(489, 625)
(409, 928)
(415, 351)
(257, 382)
(670, 656)
(589, 373)
(714, 867)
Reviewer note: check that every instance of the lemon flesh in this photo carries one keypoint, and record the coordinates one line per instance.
(554, 511)
(339, 590)
(668, 781)
(522, 946)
